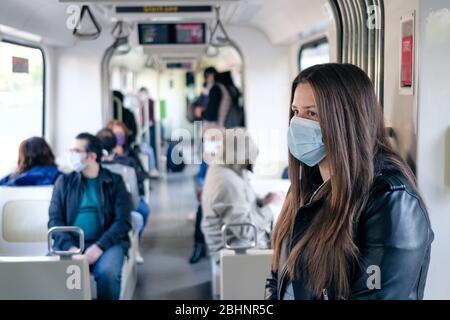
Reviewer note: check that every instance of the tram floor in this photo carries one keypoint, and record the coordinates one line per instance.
(167, 243)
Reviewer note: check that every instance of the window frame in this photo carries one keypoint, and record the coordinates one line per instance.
(308, 45)
(44, 74)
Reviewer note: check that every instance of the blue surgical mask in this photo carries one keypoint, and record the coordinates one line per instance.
(305, 141)
(76, 162)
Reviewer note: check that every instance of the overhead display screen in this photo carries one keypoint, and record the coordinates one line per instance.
(171, 33)
(163, 9)
(179, 65)
(189, 33)
(154, 34)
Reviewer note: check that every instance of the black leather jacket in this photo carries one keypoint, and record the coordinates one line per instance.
(392, 233)
(115, 208)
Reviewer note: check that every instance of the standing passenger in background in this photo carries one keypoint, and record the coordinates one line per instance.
(35, 166)
(232, 113)
(353, 225)
(95, 200)
(224, 100)
(199, 250)
(149, 149)
(210, 113)
(200, 105)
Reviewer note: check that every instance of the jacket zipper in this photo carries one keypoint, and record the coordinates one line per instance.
(315, 192)
(283, 273)
(101, 205)
(79, 191)
(325, 294)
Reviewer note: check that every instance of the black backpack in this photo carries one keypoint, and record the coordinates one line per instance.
(235, 116)
(171, 165)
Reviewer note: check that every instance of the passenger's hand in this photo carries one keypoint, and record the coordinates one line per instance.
(73, 249)
(93, 253)
(198, 112)
(269, 198)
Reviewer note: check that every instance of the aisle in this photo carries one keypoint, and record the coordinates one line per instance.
(167, 244)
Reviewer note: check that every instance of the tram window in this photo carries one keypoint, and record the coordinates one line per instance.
(313, 53)
(21, 98)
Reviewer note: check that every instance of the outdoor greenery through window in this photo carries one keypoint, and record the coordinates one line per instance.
(316, 52)
(21, 99)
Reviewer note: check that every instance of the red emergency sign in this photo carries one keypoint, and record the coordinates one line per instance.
(19, 65)
(407, 61)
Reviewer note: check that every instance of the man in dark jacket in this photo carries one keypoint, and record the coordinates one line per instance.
(97, 201)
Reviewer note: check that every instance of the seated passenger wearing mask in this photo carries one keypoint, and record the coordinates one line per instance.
(97, 201)
(228, 197)
(140, 214)
(126, 115)
(124, 154)
(36, 165)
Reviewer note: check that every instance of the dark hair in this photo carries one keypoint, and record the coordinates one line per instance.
(354, 134)
(93, 144)
(117, 103)
(107, 139)
(117, 94)
(226, 79)
(210, 70)
(34, 152)
(143, 89)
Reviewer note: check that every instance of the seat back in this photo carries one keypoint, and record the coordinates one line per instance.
(215, 278)
(243, 269)
(23, 220)
(44, 278)
(243, 275)
(129, 177)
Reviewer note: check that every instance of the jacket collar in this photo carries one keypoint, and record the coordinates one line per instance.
(381, 165)
(104, 176)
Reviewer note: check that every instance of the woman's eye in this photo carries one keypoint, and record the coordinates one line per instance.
(311, 114)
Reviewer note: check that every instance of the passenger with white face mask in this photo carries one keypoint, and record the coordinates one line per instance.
(95, 200)
(228, 197)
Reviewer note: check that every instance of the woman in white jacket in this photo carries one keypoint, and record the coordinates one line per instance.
(228, 197)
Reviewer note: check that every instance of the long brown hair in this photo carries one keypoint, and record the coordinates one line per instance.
(354, 135)
(34, 152)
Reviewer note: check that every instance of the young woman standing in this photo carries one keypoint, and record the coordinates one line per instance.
(353, 225)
